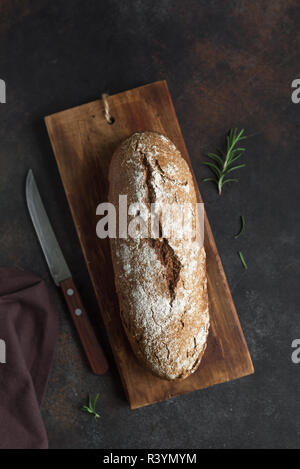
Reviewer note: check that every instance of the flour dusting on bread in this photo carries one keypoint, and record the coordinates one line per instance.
(161, 282)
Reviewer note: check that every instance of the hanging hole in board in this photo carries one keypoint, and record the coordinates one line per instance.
(109, 118)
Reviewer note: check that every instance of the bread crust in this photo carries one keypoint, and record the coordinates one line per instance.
(161, 283)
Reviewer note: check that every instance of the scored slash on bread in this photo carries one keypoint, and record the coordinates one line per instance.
(161, 282)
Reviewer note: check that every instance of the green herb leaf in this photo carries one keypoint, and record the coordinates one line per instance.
(209, 179)
(95, 400)
(215, 157)
(222, 164)
(91, 407)
(242, 260)
(230, 180)
(213, 167)
(235, 167)
(242, 227)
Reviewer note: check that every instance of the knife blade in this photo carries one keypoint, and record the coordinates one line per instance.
(53, 254)
(62, 276)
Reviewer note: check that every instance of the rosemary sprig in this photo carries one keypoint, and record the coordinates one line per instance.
(242, 227)
(221, 165)
(242, 260)
(91, 407)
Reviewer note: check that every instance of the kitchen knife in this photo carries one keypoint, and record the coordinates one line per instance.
(62, 277)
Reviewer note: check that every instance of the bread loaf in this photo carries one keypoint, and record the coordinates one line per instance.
(161, 282)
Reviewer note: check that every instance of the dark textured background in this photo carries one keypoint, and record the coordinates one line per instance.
(227, 64)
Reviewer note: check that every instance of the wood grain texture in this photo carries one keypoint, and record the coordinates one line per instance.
(83, 143)
(89, 340)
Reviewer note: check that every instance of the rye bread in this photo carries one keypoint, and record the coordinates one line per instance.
(161, 282)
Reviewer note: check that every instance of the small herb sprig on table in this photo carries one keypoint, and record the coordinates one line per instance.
(91, 407)
(242, 227)
(222, 162)
(241, 256)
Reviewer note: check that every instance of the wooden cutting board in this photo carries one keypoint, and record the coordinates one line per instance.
(83, 143)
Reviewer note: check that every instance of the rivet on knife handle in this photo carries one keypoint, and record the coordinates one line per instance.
(92, 348)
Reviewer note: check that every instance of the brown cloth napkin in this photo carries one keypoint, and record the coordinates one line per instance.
(28, 327)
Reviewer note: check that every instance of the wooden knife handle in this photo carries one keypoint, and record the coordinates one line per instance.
(84, 328)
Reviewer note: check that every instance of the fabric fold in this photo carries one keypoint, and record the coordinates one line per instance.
(28, 327)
